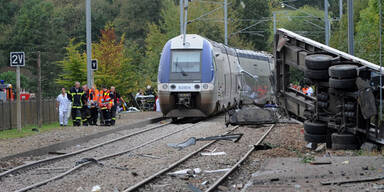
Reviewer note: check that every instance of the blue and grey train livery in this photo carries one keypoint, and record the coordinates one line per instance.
(201, 77)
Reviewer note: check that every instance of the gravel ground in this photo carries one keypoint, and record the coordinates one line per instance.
(234, 152)
(18, 145)
(27, 178)
(126, 170)
(282, 168)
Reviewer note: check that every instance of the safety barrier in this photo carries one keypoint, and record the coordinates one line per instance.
(29, 111)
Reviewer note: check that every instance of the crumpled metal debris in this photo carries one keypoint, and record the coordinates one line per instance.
(96, 188)
(186, 172)
(217, 170)
(213, 153)
(192, 140)
(85, 160)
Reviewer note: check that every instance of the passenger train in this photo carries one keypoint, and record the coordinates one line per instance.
(199, 77)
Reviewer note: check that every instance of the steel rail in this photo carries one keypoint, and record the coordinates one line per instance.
(221, 179)
(99, 159)
(77, 152)
(141, 183)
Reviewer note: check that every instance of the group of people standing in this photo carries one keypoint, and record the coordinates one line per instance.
(86, 104)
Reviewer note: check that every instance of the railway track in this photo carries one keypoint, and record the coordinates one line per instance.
(193, 157)
(55, 158)
(74, 157)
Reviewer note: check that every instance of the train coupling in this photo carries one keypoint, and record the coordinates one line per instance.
(184, 99)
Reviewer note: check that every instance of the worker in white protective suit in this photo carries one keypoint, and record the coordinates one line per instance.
(63, 104)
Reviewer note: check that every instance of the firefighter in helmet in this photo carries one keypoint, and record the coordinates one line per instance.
(74, 95)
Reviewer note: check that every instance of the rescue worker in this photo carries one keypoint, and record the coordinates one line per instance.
(93, 104)
(105, 104)
(74, 95)
(85, 110)
(116, 102)
(63, 105)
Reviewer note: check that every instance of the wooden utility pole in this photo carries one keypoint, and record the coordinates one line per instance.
(38, 102)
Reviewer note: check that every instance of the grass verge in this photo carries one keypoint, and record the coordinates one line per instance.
(27, 130)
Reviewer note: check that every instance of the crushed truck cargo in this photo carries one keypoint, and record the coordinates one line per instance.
(343, 112)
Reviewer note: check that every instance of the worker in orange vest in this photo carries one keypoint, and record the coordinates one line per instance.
(305, 90)
(105, 105)
(93, 101)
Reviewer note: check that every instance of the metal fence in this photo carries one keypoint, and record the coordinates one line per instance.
(28, 113)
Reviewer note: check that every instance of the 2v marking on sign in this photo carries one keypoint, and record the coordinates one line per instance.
(17, 59)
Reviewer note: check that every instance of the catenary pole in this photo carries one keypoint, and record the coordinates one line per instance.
(340, 9)
(225, 22)
(185, 20)
(89, 43)
(350, 28)
(274, 22)
(181, 17)
(326, 22)
(381, 59)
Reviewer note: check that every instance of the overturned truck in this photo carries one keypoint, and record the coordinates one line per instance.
(344, 110)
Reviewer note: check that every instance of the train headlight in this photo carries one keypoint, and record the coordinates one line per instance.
(197, 86)
(205, 86)
(165, 86)
(173, 86)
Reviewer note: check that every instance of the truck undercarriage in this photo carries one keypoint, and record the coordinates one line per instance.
(344, 109)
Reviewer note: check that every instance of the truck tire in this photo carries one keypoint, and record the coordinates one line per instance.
(336, 146)
(315, 127)
(314, 138)
(343, 71)
(316, 74)
(318, 61)
(342, 83)
(344, 138)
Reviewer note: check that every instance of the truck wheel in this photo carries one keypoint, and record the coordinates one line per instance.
(344, 141)
(336, 146)
(342, 83)
(343, 71)
(318, 61)
(314, 138)
(315, 127)
(316, 74)
(344, 138)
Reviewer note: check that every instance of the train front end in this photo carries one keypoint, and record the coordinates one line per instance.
(186, 78)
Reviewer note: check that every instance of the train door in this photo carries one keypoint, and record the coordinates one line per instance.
(227, 76)
(234, 65)
(220, 84)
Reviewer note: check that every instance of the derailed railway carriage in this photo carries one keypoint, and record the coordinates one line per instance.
(201, 77)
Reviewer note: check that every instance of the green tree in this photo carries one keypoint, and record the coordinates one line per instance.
(74, 66)
(298, 21)
(133, 17)
(367, 41)
(340, 29)
(244, 15)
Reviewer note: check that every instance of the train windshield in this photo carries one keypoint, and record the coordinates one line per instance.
(186, 61)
